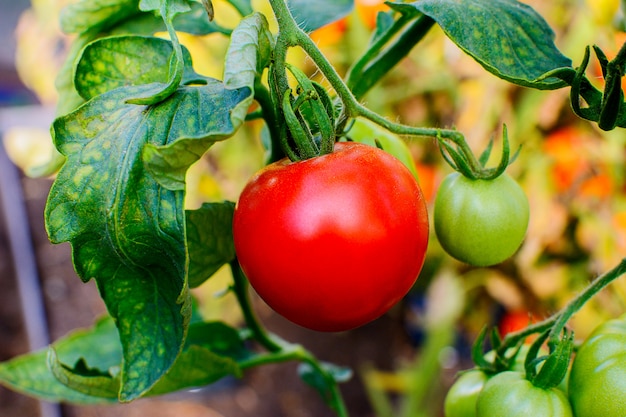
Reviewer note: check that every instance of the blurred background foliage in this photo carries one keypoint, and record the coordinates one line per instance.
(572, 172)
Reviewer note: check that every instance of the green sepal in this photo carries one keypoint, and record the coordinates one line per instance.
(299, 131)
(494, 361)
(317, 109)
(552, 367)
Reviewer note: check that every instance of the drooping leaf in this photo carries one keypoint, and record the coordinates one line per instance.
(311, 15)
(109, 63)
(83, 379)
(248, 54)
(126, 230)
(83, 367)
(96, 15)
(29, 374)
(209, 240)
(508, 38)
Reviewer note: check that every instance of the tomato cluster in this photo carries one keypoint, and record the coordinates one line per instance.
(334, 241)
(595, 387)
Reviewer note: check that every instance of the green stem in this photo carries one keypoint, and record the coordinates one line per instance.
(295, 352)
(558, 321)
(279, 350)
(577, 303)
(241, 292)
(262, 96)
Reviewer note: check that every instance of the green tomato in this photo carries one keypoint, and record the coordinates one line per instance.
(597, 384)
(510, 394)
(461, 398)
(368, 132)
(480, 222)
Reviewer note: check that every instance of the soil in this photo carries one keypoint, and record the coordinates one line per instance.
(270, 391)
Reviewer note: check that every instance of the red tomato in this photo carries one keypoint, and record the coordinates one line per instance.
(332, 242)
(513, 321)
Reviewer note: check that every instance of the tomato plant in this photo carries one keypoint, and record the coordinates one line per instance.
(596, 384)
(334, 241)
(480, 222)
(330, 234)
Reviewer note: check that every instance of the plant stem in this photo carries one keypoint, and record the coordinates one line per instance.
(558, 321)
(295, 352)
(279, 350)
(577, 303)
(262, 96)
(241, 292)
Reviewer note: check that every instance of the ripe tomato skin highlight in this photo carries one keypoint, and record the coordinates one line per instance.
(597, 383)
(480, 222)
(332, 242)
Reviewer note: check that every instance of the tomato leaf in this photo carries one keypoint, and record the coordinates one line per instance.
(311, 15)
(113, 62)
(82, 378)
(248, 54)
(508, 38)
(210, 353)
(93, 20)
(314, 378)
(30, 375)
(126, 231)
(96, 15)
(209, 240)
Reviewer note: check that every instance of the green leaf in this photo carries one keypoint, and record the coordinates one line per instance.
(311, 15)
(30, 375)
(211, 352)
(171, 7)
(243, 6)
(83, 379)
(126, 230)
(248, 54)
(113, 62)
(196, 367)
(195, 21)
(508, 38)
(209, 240)
(219, 338)
(96, 15)
(314, 378)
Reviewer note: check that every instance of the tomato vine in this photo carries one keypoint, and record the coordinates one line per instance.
(134, 115)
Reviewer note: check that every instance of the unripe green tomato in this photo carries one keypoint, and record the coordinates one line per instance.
(367, 132)
(510, 394)
(597, 384)
(463, 394)
(480, 222)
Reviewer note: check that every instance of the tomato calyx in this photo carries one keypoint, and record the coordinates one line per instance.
(547, 371)
(496, 360)
(461, 158)
(309, 116)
